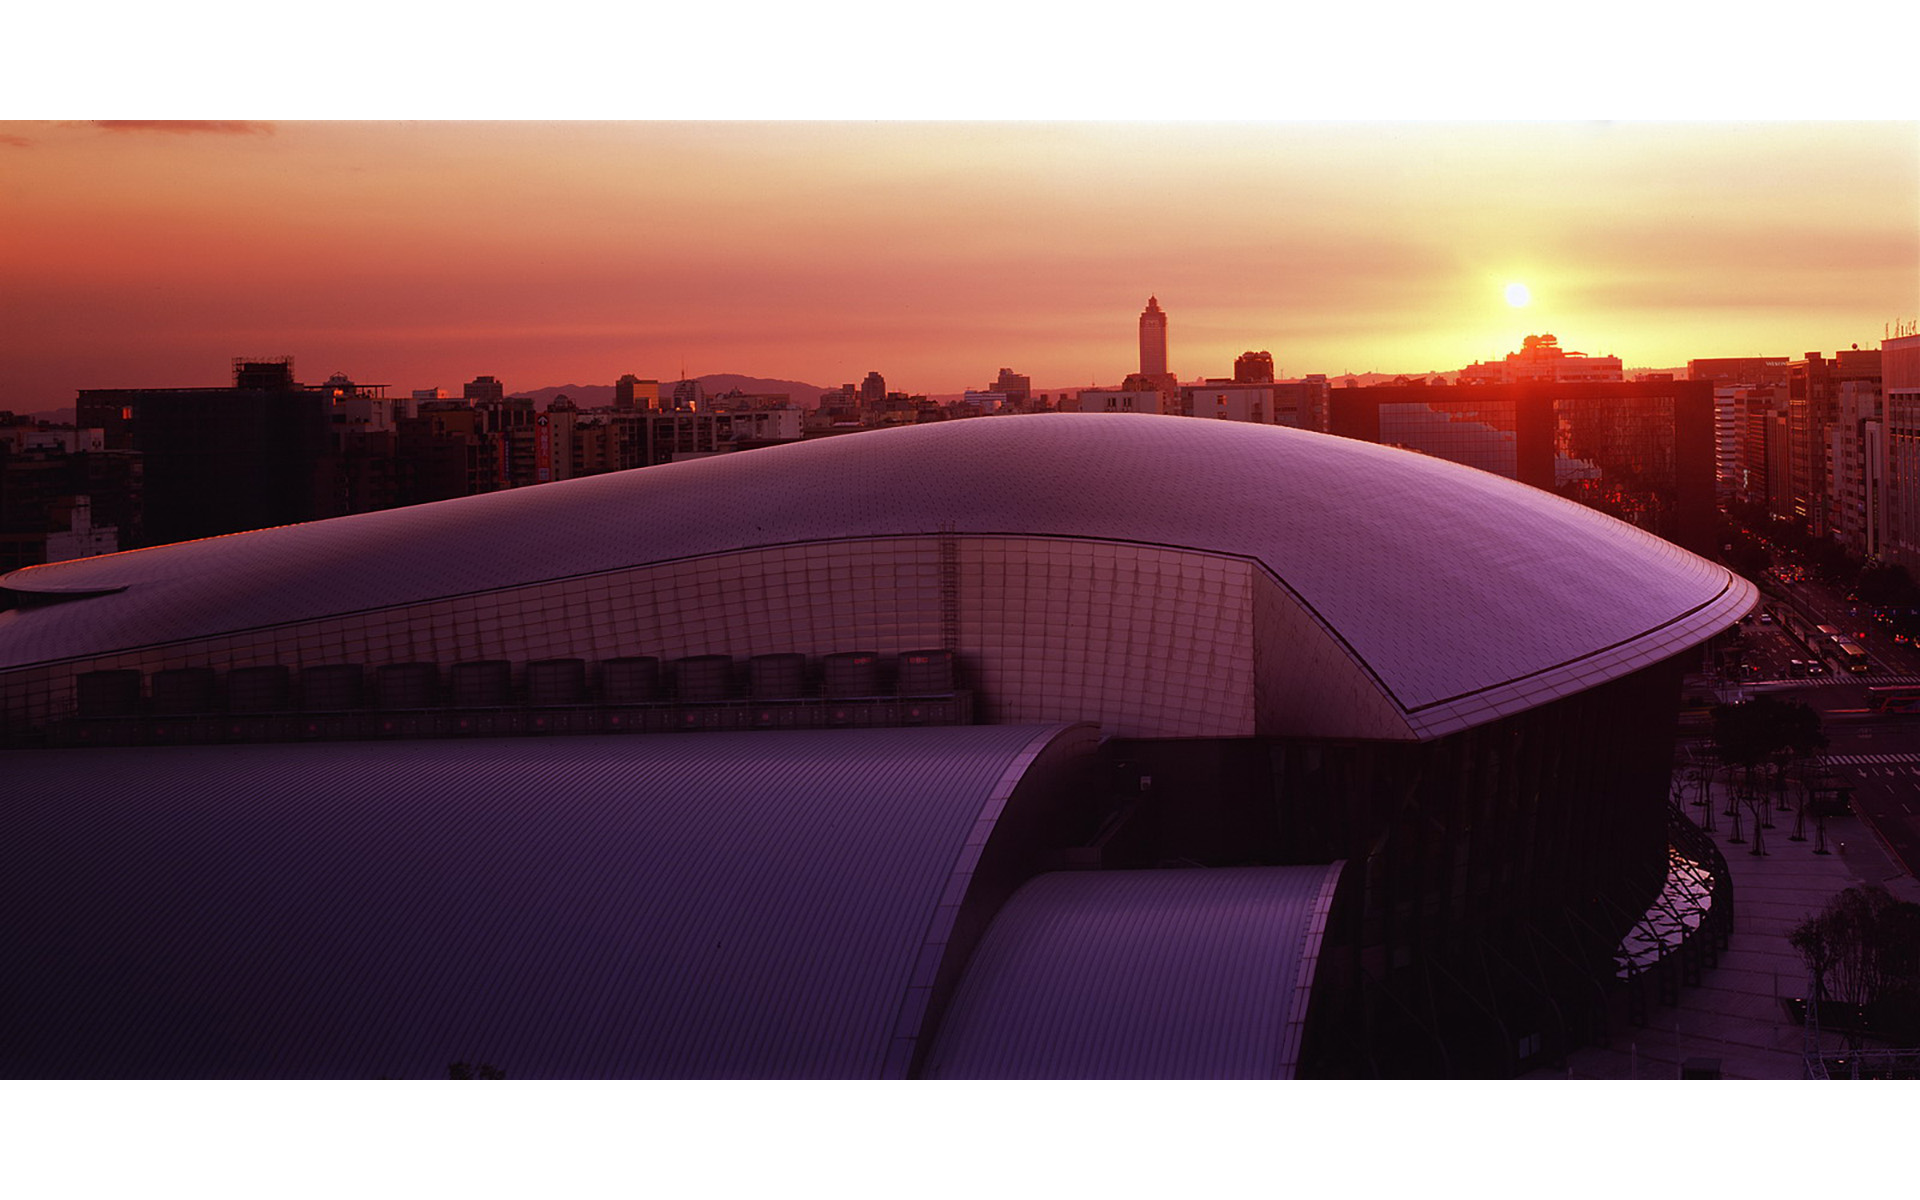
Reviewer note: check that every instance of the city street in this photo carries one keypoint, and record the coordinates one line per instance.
(1875, 753)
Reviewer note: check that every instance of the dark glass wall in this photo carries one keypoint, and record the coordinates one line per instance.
(1490, 874)
(1640, 451)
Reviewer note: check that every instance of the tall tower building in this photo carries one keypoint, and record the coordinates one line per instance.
(1153, 339)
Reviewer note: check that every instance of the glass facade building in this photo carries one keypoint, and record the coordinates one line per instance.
(1643, 452)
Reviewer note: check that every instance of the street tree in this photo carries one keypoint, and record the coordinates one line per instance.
(1765, 732)
(1863, 952)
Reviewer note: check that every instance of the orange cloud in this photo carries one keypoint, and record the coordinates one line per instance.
(243, 127)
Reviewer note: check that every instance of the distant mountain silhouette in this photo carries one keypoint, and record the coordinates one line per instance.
(585, 395)
(806, 395)
(594, 395)
(1376, 378)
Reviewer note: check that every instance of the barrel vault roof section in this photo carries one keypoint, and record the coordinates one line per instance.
(1172, 974)
(678, 906)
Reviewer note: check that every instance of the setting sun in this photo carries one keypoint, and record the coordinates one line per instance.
(898, 272)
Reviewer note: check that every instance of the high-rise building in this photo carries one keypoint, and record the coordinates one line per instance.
(1255, 366)
(221, 460)
(1300, 405)
(1760, 459)
(1857, 457)
(1900, 385)
(63, 494)
(1642, 451)
(1541, 360)
(1128, 398)
(1738, 372)
(1746, 393)
(1018, 389)
(441, 452)
(689, 395)
(485, 387)
(1153, 339)
(1813, 396)
(631, 392)
(1253, 395)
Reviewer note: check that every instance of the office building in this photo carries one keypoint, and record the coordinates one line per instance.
(220, 460)
(1121, 400)
(1540, 359)
(1761, 371)
(1900, 384)
(1643, 451)
(1255, 366)
(485, 389)
(631, 392)
(1856, 455)
(1813, 397)
(1761, 476)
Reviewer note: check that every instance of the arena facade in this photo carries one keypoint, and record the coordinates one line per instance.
(1067, 745)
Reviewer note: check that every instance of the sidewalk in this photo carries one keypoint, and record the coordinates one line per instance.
(1735, 1015)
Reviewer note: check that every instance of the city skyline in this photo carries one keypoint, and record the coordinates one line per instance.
(550, 253)
(122, 266)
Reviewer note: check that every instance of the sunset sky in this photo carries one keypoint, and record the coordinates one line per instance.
(547, 253)
(421, 254)
(1350, 187)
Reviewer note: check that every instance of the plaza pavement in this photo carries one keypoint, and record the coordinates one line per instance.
(1735, 1015)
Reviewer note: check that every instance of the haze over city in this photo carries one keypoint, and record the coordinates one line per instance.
(1380, 190)
(420, 254)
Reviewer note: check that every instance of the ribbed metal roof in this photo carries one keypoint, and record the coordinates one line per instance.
(1395, 554)
(710, 905)
(1176, 974)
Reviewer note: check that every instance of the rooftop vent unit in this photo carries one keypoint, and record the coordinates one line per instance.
(267, 689)
(556, 682)
(851, 674)
(334, 687)
(926, 673)
(405, 685)
(630, 680)
(703, 678)
(484, 684)
(183, 691)
(777, 676)
(109, 693)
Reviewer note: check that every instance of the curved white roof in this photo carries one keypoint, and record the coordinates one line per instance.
(1450, 587)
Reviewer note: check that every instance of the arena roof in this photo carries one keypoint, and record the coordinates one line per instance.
(1396, 555)
(760, 904)
(1170, 974)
